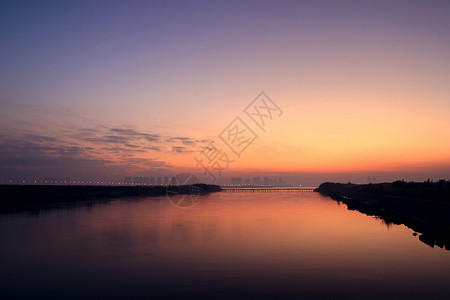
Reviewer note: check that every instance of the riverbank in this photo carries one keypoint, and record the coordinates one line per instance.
(15, 197)
(423, 207)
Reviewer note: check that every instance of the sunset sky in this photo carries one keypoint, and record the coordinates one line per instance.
(103, 90)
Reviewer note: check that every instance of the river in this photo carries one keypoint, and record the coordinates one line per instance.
(228, 245)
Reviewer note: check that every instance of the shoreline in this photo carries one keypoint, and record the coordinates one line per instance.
(399, 203)
(23, 197)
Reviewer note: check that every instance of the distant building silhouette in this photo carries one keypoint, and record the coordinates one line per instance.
(127, 180)
(267, 181)
(256, 180)
(146, 181)
(152, 180)
(166, 180)
(159, 181)
(138, 180)
(236, 180)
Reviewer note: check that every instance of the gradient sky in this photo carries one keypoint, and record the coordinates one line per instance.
(105, 89)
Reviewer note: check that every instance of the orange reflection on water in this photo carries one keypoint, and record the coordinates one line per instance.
(279, 242)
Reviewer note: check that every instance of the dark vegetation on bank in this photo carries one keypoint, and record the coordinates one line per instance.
(27, 197)
(422, 206)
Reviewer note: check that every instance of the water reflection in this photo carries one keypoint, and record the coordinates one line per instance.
(246, 244)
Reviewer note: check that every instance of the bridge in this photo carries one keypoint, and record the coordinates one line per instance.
(268, 189)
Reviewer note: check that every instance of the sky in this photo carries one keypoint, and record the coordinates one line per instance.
(107, 89)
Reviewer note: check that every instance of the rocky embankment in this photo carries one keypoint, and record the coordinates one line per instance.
(423, 207)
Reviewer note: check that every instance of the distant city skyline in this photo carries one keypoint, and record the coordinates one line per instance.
(146, 180)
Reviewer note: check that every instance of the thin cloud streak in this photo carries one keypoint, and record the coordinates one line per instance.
(100, 150)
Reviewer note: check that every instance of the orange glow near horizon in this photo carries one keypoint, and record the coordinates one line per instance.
(315, 134)
(348, 135)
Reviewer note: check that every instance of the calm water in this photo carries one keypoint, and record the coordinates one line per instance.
(229, 245)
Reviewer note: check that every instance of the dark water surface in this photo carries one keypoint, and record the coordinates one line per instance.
(229, 245)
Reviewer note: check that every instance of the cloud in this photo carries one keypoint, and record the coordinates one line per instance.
(180, 149)
(130, 138)
(88, 151)
(131, 146)
(129, 132)
(184, 140)
(153, 148)
(38, 138)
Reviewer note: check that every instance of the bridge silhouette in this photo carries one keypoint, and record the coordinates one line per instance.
(268, 189)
